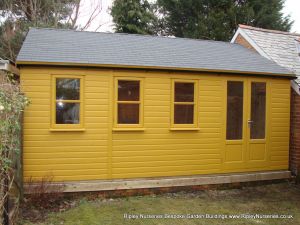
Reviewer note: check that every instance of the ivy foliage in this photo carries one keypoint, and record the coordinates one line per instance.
(12, 104)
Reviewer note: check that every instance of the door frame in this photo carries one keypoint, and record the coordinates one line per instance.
(245, 164)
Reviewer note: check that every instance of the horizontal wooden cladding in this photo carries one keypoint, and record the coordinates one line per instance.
(280, 120)
(97, 152)
(52, 136)
(65, 172)
(72, 177)
(178, 136)
(165, 163)
(65, 158)
(163, 142)
(183, 157)
(172, 154)
(171, 146)
(65, 155)
(165, 171)
(67, 150)
(65, 166)
(66, 143)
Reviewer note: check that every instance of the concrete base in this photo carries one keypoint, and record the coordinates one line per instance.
(123, 184)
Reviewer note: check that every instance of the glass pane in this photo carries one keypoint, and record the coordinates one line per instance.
(258, 110)
(67, 89)
(234, 127)
(183, 114)
(128, 113)
(128, 90)
(67, 113)
(184, 92)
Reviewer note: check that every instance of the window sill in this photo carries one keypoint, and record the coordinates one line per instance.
(65, 129)
(184, 129)
(128, 129)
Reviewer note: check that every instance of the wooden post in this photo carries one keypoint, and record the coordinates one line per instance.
(6, 202)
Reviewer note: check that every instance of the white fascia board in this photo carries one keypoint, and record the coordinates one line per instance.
(6, 66)
(2, 66)
(235, 36)
(295, 87)
(250, 41)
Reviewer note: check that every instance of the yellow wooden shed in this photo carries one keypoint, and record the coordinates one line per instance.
(117, 111)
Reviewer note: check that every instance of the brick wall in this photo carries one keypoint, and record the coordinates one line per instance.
(295, 133)
(242, 41)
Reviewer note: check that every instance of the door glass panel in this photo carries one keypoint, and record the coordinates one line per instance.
(258, 110)
(235, 94)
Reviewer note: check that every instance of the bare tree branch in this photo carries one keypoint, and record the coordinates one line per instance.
(97, 8)
(76, 10)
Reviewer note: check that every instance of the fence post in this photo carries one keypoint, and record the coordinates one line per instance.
(6, 202)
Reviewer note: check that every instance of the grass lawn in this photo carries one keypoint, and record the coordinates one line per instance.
(279, 199)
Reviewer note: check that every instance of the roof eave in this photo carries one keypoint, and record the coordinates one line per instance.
(287, 75)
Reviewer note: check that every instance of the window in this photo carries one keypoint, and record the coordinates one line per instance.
(67, 102)
(235, 95)
(128, 103)
(184, 107)
(258, 110)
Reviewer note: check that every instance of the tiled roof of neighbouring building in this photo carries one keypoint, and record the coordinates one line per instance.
(281, 47)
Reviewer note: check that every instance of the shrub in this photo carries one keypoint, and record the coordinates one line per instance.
(12, 104)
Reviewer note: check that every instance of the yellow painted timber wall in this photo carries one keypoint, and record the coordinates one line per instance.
(98, 152)
(279, 125)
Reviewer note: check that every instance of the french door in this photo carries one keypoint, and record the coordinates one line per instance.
(246, 124)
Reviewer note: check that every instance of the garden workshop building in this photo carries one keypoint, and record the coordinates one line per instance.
(117, 111)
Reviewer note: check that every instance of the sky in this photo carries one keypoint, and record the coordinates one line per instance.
(292, 8)
(103, 21)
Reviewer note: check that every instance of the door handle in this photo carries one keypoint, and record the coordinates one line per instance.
(250, 122)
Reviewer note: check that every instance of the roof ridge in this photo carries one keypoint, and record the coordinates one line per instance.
(243, 26)
(138, 35)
